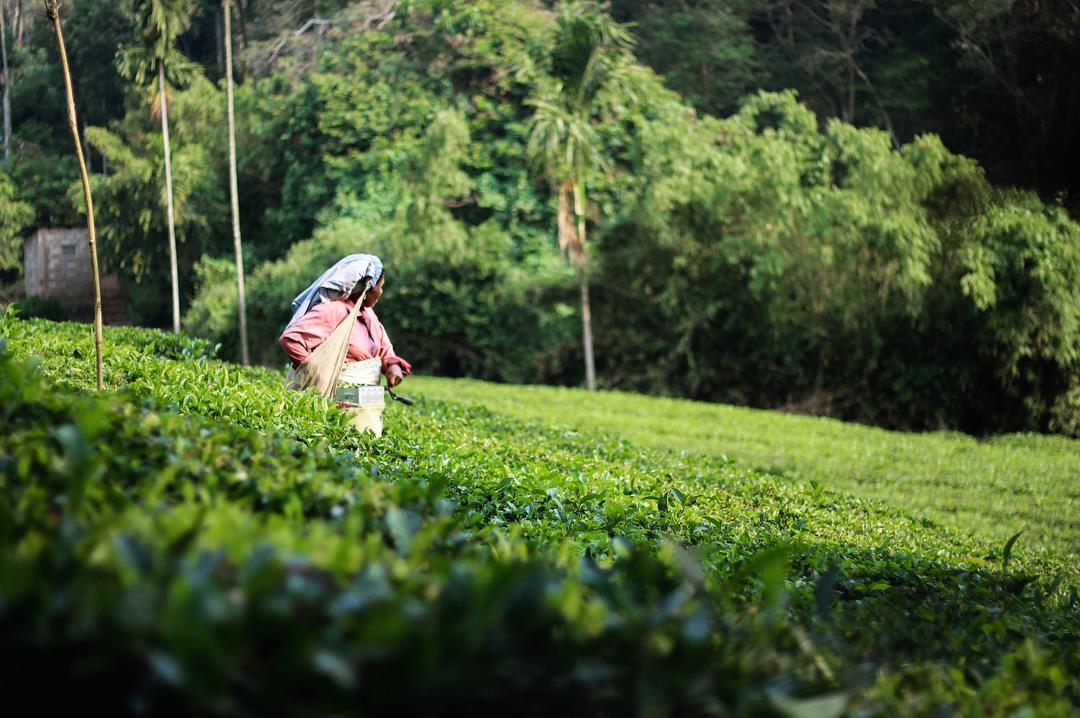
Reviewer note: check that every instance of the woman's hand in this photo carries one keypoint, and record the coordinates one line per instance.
(394, 375)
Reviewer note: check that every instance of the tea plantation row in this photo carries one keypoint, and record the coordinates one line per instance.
(993, 487)
(197, 539)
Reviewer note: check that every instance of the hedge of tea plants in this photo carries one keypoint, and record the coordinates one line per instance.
(992, 487)
(198, 540)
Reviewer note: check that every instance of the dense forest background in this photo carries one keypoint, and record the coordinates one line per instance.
(852, 207)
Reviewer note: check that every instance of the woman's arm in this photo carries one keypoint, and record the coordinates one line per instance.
(394, 367)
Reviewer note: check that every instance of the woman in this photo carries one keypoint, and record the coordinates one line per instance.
(322, 307)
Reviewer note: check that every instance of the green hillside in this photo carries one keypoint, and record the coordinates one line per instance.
(198, 539)
(773, 251)
(994, 488)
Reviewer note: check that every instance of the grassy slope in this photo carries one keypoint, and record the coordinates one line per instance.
(990, 488)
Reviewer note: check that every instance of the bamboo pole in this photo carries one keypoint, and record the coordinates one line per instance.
(53, 11)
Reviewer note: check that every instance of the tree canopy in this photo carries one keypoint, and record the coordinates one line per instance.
(827, 248)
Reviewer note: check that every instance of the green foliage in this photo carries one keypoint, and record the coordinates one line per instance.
(270, 287)
(43, 307)
(455, 307)
(587, 75)
(92, 30)
(1065, 415)
(824, 272)
(1024, 263)
(704, 49)
(990, 489)
(773, 258)
(964, 70)
(14, 218)
(42, 181)
(780, 264)
(431, 175)
(129, 202)
(158, 541)
(157, 25)
(470, 312)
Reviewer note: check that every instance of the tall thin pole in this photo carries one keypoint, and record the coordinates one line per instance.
(586, 310)
(7, 86)
(169, 198)
(233, 193)
(54, 15)
(583, 275)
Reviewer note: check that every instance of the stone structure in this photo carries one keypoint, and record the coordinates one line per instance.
(56, 265)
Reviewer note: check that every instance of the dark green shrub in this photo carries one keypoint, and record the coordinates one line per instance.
(44, 308)
(820, 271)
(450, 309)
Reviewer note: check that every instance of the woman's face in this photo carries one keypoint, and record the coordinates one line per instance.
(374, 293)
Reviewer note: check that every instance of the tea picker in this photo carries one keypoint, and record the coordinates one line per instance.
(339, 347)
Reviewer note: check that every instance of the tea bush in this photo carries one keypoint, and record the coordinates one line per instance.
(992, 488)
(197, 539)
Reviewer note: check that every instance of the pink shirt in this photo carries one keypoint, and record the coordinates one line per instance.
(368, 338)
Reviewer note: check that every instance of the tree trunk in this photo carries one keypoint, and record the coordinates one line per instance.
(169, 198)
(849, 109)
(54, 15)
(586, 311)
(218, 40)
(19, 24)
(241, 300)
(881, 108)
(7, 87)
(243, 24)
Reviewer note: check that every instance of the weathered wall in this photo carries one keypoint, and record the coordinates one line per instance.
(56, 264)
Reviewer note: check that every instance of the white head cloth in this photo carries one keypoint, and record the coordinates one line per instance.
(337, 282)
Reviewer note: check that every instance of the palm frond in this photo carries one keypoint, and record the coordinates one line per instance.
(112, 146)
(562, 142)
(588, 45)
(159, 22)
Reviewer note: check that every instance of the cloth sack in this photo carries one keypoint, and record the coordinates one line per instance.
(323, 366)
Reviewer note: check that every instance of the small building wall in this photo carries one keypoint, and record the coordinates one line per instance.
(56, 265)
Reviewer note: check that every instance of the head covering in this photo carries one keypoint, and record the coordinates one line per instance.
(337, 282)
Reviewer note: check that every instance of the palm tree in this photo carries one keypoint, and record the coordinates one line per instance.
(234, 201)
(589, 65)
(53, 12)
(157, 25)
